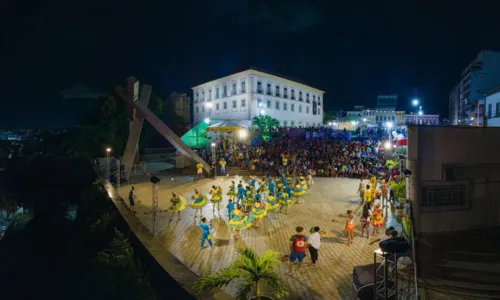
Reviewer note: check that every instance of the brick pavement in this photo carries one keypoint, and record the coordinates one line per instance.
(329, 199)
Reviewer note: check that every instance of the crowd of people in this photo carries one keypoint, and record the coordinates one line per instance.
(321, 151)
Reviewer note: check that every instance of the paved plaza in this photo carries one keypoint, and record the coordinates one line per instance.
(329, 199)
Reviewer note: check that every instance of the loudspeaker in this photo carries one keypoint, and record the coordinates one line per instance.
(394, 245)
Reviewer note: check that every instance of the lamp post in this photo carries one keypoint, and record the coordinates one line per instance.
(108, 161)
(415, 102)
(209, 106)
(214, 163)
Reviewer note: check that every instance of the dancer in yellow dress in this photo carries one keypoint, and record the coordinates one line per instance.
(232, 191)
(259, 210)
(284, 200)
(298, 191)
(178, 204)
(216, 198)
(199, 202)
(238, 221)
(272, 204)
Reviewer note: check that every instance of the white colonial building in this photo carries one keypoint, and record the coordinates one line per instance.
(244, 95)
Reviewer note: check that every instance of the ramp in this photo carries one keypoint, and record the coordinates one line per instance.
(163, 129)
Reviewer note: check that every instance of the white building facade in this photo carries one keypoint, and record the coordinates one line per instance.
(244, 95)
(380, 115)
(492, 104)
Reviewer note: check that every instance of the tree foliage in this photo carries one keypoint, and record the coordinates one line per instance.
(265, 124)
(251, 271)
(399, 190)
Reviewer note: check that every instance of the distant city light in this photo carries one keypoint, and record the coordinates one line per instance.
(213, 145)
(420, 112)
(108, 150)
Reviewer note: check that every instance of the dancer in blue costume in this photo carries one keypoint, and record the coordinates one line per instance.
(252, 183)
(205, 233)
(241, 192)
(271, 187)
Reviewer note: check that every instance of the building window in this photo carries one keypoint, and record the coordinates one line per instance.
(307, 98)
(277, 105)
(307, 109)
(319, 111)
(268, 103)
(285, 93)
(197, 96)
(314, 97)
(243, 87)
(259, 87)
(292, 123)
(203, 95)
(209, 94)
(234, 103)
(300, 96)
(292, 96)
(319, 100)
(234, 88)
(197, 109)
(497, 110)
(217, 106)
(224, 105)
(285, 106)
(292, 107)
(217, 93)
(268, 89)
(277, 94)
(284, 123)
(224, 91)
(243, 103)
(300, 108)
(203, 108)
(443, 196)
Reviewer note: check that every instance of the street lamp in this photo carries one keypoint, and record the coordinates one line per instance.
(214, 163)
(108, 161)
(243, 133)
(415, 102)
(209, 106)
(330, 124)
(388, 145)
(364, 119)
(420, 112)
(262, 112)
(389, 125)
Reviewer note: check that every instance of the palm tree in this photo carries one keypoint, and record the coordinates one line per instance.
(252, 270)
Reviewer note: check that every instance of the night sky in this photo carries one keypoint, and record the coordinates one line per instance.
(353, 51)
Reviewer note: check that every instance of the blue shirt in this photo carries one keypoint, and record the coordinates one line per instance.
(205, 227)
(230, 207)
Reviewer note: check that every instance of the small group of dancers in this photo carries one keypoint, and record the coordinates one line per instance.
(371, 215)
(248, 205)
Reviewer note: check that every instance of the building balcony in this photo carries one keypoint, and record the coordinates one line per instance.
(224, 95)
(243, 91)
(301, 99)
(293, 97)
(285, 96)
(259, 91)
(233, 93)
(277, 95)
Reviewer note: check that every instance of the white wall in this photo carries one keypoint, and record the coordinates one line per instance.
(252, 96)
(474, 154)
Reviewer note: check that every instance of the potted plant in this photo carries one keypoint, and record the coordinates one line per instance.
(252, 271)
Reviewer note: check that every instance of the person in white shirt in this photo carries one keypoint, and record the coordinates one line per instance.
(314, 241)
